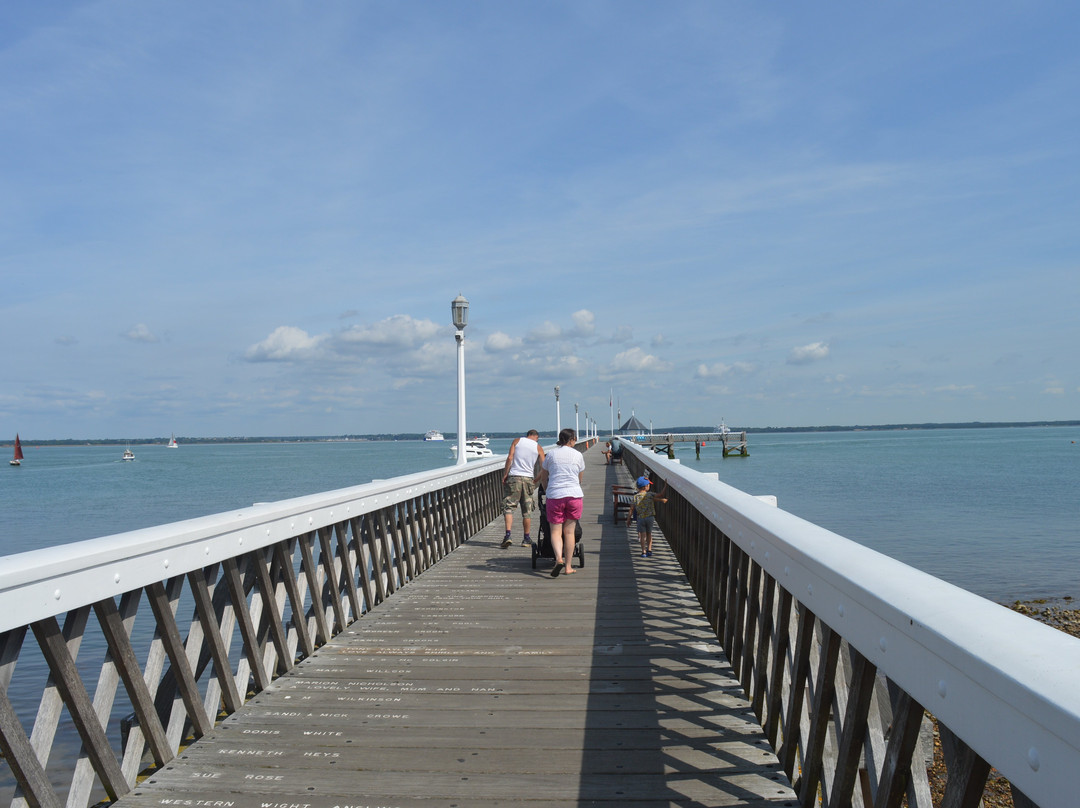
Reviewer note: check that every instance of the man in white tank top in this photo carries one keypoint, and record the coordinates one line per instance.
(519, 482)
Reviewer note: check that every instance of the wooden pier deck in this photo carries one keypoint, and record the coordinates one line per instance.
(487, 683)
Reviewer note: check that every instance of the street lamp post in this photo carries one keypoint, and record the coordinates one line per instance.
(576, 427)
(459, 308)
(558, 414)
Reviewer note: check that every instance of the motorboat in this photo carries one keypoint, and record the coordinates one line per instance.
(433, 434)
(475, 448)
(128, 454)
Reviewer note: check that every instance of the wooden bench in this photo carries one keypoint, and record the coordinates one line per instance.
(622, 499)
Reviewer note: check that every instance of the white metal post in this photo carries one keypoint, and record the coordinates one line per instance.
(459, 307)
(558, 414)
(460, 397)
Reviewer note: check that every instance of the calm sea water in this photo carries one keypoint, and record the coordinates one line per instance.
(996, 511)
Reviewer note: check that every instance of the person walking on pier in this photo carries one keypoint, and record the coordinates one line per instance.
(519, 483)
(645, 508)
(561, 475)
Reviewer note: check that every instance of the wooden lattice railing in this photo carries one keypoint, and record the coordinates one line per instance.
(108, 688)
(844, 653)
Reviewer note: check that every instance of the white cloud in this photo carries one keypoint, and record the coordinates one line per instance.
(398, 331)
(805, 354)
(1054, 391)
(286, 344)
(584, 323)
(499, 342)
(637, 361)
(547, 332)
(141, 333)
(718, 370)
(584, 326)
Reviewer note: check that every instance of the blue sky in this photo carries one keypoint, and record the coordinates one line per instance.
(250, 218)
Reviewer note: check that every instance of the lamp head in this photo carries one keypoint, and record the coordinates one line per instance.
(459, 308)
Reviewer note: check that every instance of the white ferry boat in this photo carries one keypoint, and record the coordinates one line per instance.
(434, 434)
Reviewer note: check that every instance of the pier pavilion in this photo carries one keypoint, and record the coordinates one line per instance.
(375, 646)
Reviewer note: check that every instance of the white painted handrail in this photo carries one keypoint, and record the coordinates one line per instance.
(48, 582)
(1004, 684)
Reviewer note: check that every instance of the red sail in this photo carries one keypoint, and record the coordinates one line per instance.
(18, 449)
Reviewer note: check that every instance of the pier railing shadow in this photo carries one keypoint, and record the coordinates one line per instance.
(664, 714)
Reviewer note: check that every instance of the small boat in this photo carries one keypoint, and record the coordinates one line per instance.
(128, 454)
(17, 459)
(723, 429)
(475, 448)
(172, 443)
(434, 434)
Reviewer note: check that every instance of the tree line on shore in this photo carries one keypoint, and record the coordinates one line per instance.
(402, 436)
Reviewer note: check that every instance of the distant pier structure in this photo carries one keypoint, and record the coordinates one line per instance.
(733, 443)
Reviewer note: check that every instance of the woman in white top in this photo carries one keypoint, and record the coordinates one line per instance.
(561, 478)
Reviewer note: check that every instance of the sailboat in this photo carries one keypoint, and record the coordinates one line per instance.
(172, 443)
(17, 459)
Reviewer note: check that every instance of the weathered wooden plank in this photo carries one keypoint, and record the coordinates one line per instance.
(331, 565)
(283, 561)
(204, 605)
(119, 642)
(854, 728)
(22, 760)
(967, 772)
(310, 573)
(79, 705)
(158, 600)
(276, 653)
(238, 598)
(907, 718)
(824, 697)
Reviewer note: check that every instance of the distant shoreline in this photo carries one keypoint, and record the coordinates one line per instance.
(403, 436)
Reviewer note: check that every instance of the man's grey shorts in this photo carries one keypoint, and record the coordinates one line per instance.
(519, 490)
